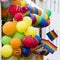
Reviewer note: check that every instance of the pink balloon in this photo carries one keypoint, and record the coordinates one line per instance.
(4, 0)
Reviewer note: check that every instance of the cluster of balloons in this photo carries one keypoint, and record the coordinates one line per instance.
(20, 36)
(42, 20)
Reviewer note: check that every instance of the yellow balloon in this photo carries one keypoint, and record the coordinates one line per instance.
(21, 26)
(46, 17)
(23, 3)
(6, 51)
(37, 16)
(14, 21)
(30, 31)
(28, 20)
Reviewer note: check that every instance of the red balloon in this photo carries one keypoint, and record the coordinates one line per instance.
(27, 41)
(48, 22)
(13, 9)
(18, 17)
(35, 42)
(30, 42)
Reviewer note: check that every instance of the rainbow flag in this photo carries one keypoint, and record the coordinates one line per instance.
(52, 35)
(49, 46)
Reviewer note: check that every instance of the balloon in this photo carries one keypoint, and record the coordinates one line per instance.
(37, 16)
(39, 12)
(35, 42)
(48, 22)
(28, 20)
(30, 31)
(26, 50)
(48, 11)
(36, 10)
(15, 22)
(30, 9)
(33, 18)
(6, 4)
(38, 19)
(6, 40)
(6, 51)
(43, 23)
(23, 3)
(25, 11)
(17, 52)
(9, 28)
(38, 38)
(15, 43)
(18, 17)
(18, 35)
(29, 42)
(46, 17)
(4, 0)
(16, 2)
(21, 26)
(13, 9)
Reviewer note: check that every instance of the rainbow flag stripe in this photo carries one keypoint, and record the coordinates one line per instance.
(49, 46)
(52, 35)
(49, 49)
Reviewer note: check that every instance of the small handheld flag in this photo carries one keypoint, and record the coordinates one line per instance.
(52, 35)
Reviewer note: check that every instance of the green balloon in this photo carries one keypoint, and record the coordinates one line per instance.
(39, 20)
(48, 11)
(19, 35)
(6, 40)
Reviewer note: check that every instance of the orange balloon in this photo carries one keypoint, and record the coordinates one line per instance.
(4, 12)
(9, 28)
(17, 52)
(16, 2)
(15, 43)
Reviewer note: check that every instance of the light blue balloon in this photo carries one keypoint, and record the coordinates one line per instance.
(6, 4)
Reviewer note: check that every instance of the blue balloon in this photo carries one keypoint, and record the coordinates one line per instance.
(38, 38)
(36, 10)
(30, 8)
(43, 23)
(25, 50)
